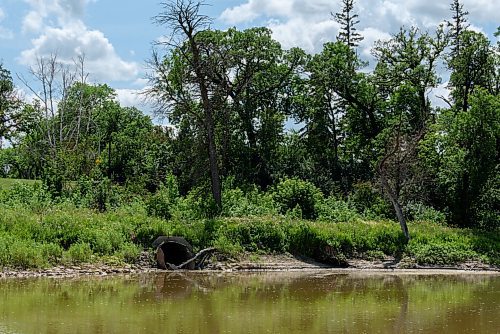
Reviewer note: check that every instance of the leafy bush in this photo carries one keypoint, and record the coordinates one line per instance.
(79, 253)
(486, 210)
(369, 202)
(129, 252)
(253, 235)
(441, 253)
(33, 195)
(236, 203)
(95, 193)
(197, 204)
(227, 246)
(22, 253)
(335, 210)
(421, 212)
(162, 202)
(290, 193)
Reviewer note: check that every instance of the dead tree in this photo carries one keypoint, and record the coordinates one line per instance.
(185, 21)
(395, 170)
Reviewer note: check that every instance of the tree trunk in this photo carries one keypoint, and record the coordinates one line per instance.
(212, 155)
(209, 123)
(395, 203)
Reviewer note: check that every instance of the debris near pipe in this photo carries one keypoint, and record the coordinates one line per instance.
(175, 253)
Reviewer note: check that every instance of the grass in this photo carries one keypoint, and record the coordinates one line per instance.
(10, 183)
(38, 231)
(65, 235)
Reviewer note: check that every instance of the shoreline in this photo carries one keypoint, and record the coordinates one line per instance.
(265, 263)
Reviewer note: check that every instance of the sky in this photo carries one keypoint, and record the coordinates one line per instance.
(117, 36)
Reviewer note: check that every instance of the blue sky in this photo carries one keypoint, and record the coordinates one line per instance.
(117, 36)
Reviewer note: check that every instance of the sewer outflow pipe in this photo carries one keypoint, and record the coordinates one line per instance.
(172, 252)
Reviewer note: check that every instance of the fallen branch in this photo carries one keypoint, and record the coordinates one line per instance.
(203, 255)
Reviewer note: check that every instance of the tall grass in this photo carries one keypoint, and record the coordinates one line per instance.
(37, 230)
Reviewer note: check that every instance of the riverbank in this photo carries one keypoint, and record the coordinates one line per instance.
(254, 263)
(66, 237)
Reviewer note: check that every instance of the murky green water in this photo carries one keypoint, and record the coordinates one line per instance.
(253, 303)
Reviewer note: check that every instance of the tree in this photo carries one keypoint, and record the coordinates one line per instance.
(348, 21)
(321, 111)
(192, 83)
(405, 73)
(9, 103)
(473, 67)
(253, 77)
(464, 152)
(457, 25)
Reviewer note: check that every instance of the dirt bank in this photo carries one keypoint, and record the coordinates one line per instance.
(254, 263)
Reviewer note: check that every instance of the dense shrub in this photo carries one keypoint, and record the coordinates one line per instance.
(254, 235)
(421, 212)
(162, 202)
(236, 203)
(36, 231)
(33, 195)
(78, 253)
(336, 210)
(369, 202)
(292, 193)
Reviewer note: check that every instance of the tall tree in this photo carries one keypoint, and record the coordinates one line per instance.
(457, 25)
(253, 75)
(475, 66)
(405, 73)
(185, 21)
(348, 21)
(9, 103)
(464, 153)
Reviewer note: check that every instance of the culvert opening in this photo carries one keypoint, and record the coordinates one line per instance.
(176, 253)
(173, 250)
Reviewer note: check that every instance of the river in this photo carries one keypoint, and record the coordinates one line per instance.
(273, 302)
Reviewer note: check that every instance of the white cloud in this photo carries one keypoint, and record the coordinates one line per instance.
(129, 97)
(292, 33)
(4, 32)
(32, 22)
(307, 23)
(63, 32)
(438, 93)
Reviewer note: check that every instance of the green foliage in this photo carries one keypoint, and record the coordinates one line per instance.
(25, 193)
(421, 212)
(148, 231)
(252, 202)
(463, 154)
(337, 210)
(268, 236)
(97, 192)
(292, 193)
(70, 235)
(368, 201)
(197, 204)
(162, 202)
(78, 253)
(441, 254)
(230, 97)
(129, 252)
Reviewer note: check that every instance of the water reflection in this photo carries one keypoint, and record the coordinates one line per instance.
(320, 302)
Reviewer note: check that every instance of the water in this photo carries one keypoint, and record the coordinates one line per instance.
(253, 303)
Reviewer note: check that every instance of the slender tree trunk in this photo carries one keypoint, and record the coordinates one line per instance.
(109, 156)
(212, 155)
(395, 203)
(209, 123)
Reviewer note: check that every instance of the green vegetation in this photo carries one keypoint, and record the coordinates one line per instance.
(10, 183)
(372, 149)
(38, 231)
